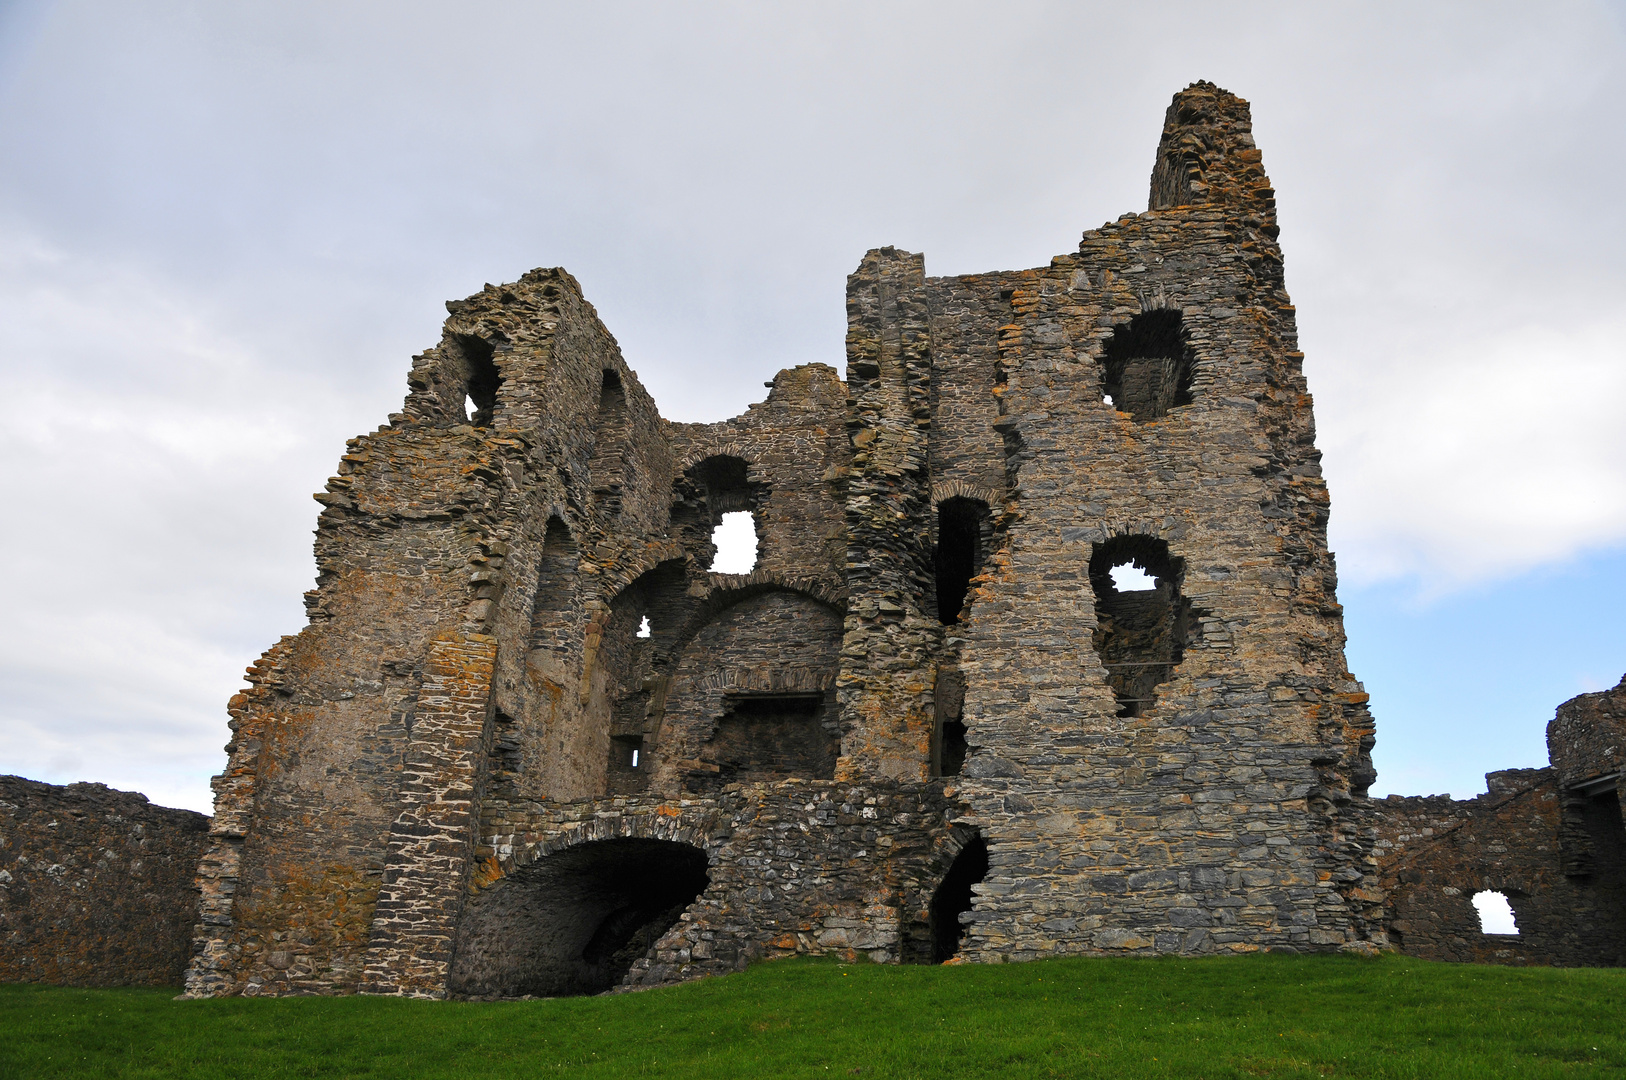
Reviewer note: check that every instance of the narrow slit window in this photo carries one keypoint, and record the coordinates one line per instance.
(1495, 913)
(644, 629)
(469, 407)
(736, 540)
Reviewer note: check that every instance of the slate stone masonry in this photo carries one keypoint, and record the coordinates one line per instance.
(533, 743)
(530, 499)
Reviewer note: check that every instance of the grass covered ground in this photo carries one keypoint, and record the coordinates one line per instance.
(1251, 1016)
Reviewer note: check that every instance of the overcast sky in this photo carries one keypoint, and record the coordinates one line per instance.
(225, 229)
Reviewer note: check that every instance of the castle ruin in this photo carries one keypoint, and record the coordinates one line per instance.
(532, 743)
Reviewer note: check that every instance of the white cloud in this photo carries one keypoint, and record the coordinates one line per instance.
(147, 561)
(1480, 457)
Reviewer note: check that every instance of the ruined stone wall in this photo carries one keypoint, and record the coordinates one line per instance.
(1550, 840)
(1226, 816)
(96, 885)
(891, 647)
(350, 802)
(790, 444)
(777, 644)
(1437, 853)
(967, 452)
(936, 537)
(1586, 739)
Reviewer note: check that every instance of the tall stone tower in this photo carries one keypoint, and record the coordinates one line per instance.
(1040, 653)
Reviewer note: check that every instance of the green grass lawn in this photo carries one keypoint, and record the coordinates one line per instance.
(1261, 1015)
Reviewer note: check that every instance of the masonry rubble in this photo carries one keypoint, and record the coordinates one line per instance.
(532, 743)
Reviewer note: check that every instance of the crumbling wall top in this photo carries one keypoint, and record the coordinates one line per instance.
(1207, 156)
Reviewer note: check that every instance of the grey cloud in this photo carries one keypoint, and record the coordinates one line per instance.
(228, 227)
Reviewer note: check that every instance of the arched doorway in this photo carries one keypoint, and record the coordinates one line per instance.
(575, 922)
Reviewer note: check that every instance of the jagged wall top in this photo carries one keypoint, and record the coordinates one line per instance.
(1207, 156)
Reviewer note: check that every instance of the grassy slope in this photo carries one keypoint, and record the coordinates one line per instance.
(1262, 1015)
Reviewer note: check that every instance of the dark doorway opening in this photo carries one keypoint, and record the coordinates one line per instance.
(1147, 365)
(1141, 634)
(959, 554)
(765, 738)
(953, 898)
(575, 922)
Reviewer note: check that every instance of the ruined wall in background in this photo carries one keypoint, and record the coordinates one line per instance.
(96, 885)
(1550, 840)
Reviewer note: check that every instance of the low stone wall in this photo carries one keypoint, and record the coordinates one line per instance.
(96, 885)
(801, 866)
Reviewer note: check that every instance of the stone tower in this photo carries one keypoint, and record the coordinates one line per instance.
(531, 743)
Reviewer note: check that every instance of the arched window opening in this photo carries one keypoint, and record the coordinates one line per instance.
(612, 434)
(953, 899)
(735, 539)
(1147, 365)
(1495, 913)
(480, 378)
(1141, 633)
(961, 524)
(766, 738)
(575, 922)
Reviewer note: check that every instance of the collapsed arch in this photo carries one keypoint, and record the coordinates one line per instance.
(575, 922)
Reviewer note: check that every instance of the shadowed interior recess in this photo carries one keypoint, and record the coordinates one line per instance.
(953, 898)
(1147, 369)
(576, 921)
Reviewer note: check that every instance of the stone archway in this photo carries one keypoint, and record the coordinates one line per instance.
(574, 922)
